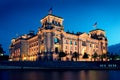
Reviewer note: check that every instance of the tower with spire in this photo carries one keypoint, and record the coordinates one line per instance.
(52, 21)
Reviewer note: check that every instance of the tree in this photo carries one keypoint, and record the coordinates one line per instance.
(116, 57)
(2, 56)
(95, 55)
(1, 50)
(108, 55)
(111, 57)
(103, 56)
(39, 56)
(75, 55)
(62, 54)
(85, 56)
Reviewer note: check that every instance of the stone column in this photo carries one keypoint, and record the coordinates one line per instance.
(39, 43)
(52, 42)
(62, 42)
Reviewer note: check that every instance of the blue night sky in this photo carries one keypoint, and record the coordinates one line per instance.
(17, 17)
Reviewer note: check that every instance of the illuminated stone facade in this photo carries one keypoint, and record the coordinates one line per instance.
(51, 39)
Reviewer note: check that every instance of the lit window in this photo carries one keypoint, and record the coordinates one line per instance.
(103, 47)
(83, 43)
(56, 40)
(66, 47)
(34, 44)
(66, 52)
(53, 21)
(75, 48)
(71, 52)
(105, 44)
(75, 43)
(96, 46)
(66, 41)
(71, 42)
(90, 45)
(71, 48)
(93, 46)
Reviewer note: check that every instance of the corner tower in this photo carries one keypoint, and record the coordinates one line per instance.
(50, 31)
(99, 34)
(52, 22)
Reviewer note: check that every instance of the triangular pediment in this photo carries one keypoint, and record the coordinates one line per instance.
(84, 35)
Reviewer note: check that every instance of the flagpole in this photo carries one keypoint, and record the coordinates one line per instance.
(50, 11)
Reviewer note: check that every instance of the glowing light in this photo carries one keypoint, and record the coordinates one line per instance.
(10, 59)
(24, 58)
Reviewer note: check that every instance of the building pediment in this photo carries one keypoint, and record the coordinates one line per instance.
(84, 35)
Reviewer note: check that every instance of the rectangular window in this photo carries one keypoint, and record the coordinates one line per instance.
(66, 41)
(83, 43)
(71, 47)
(104, 47)
(66, 47)
(90, 45)
(66, 52)
(75, 43)
(75, 48)
(96, 46)
(71, 42)
(71, 52)
(93, 45)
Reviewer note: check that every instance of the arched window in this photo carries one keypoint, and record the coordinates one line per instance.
(83, 43)
(90, 45)
(71, 42)
(66, 41)
(56, 40)
(75, 43)
(59, 24)
(53, 21)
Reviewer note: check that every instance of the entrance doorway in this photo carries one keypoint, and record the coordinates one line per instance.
(56, 49)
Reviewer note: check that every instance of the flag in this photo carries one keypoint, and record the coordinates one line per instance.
(50, 11)
(95, 24)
